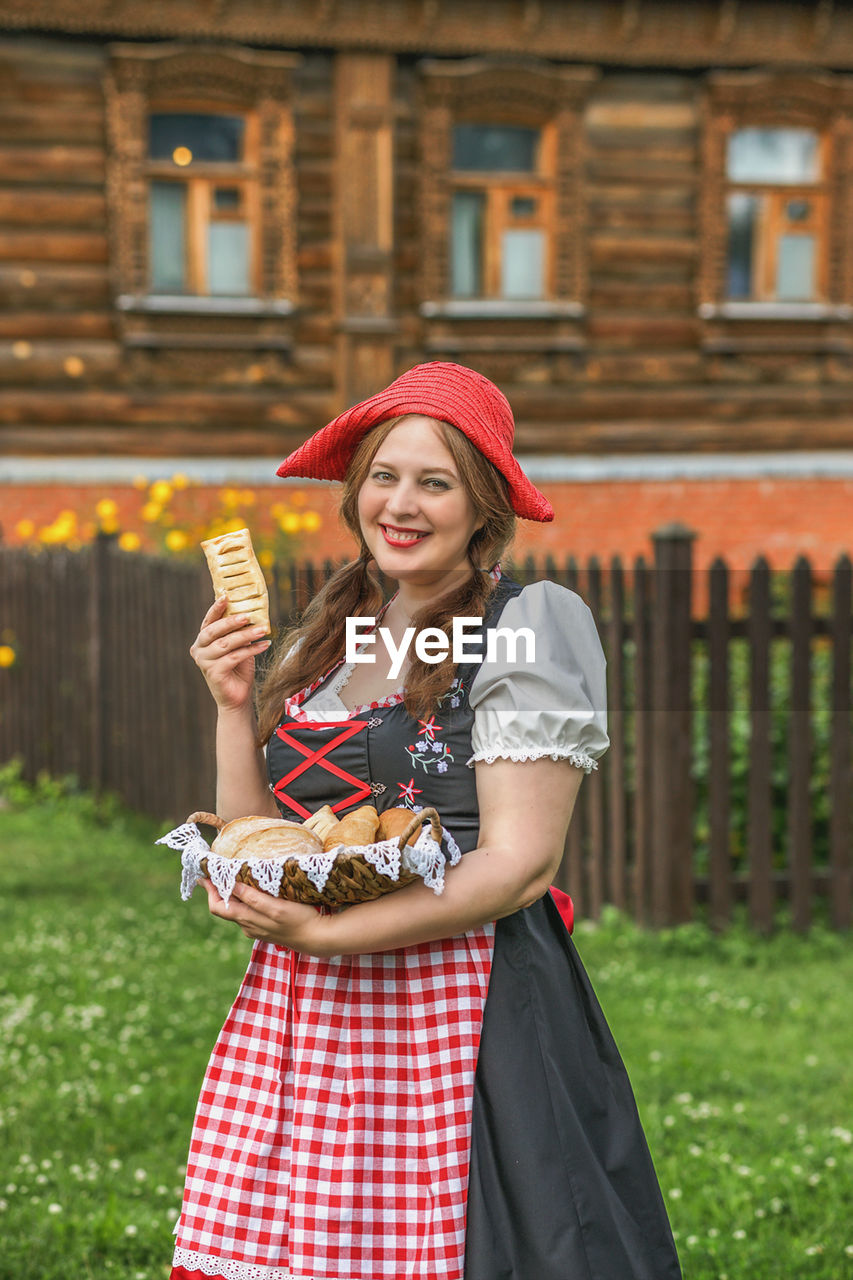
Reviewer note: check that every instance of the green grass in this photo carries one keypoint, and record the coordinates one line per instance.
(113, 991)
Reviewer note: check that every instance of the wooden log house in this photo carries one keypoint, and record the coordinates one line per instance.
(222, 221)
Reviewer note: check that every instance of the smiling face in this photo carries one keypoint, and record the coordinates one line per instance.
(416, 516)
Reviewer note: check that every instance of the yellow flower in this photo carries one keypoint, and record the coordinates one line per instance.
(139, 482)
(232, 525)
(277, 510)
(130, 541)
(230, 498)
(25, 529)
(160, 492)
(106, 509)
(110, 525)
(179, 480)
(7, 655)
(311, 521)
(176, 540)
(151, 512)
(290, 522)
(247, 497)
(266, 559)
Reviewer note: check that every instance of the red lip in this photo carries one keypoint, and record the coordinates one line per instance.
(388, 532)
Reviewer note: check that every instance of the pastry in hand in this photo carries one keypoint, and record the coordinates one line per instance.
(325, 825)
(359, 827)
(236, 573)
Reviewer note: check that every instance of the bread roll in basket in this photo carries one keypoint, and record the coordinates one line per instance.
(322, 862)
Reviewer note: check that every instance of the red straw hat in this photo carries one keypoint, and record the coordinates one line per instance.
(447, 392)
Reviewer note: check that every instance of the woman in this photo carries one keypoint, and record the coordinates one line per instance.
(368, 1112)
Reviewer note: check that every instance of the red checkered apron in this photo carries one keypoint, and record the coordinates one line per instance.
(332, 1136)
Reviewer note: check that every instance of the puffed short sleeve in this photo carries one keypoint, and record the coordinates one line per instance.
(554, 705)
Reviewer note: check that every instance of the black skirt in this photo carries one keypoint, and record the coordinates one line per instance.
(562, 1185)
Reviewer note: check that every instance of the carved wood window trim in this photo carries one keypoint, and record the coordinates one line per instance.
(200, 183)
(550, 99)
(255, 85)
(820, 103)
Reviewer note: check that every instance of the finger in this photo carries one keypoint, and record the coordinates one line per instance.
(245, 637)
(221, 628)
(216, 610)
(252, 898)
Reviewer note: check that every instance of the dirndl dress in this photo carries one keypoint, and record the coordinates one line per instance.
(456, 1110)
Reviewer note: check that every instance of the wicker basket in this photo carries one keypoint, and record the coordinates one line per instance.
(352, 879)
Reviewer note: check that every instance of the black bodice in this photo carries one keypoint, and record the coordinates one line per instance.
(385, 757)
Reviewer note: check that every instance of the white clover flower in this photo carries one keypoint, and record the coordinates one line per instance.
(740, 1234)
(692, 1240)
(54, 1208)
(140, 1175)
(830, 1162)
(130, 1229)
(675, 1193)
(713, 1232)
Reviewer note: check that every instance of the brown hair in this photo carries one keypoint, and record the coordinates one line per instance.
(354, 591)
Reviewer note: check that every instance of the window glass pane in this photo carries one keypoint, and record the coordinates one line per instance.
(167, 237)
(524, 206)
(773, 155)
(466, 244)
(743, 217)
(184, 136)
(523, 264)
(228, 258)
(795, 268)
(226, 199)
(500, 148)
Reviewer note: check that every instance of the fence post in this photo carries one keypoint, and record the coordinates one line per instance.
(672, 890)
(98, 604)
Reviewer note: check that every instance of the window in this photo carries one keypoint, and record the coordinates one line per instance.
(201, 188)
(202, 177)
(776, 214)
(501, 212)
(502, 193)
(774, 200)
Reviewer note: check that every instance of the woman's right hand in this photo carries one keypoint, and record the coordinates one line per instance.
(224, 651)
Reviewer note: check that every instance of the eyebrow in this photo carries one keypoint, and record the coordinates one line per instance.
(377, 462)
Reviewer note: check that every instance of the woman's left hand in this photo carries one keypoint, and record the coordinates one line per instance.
(267, 919)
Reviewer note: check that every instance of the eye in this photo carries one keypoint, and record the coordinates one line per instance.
(436, 483)
(381, 475)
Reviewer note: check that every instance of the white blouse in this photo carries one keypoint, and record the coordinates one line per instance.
(554, 705)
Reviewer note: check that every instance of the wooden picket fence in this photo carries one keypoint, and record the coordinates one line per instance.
(728, 778)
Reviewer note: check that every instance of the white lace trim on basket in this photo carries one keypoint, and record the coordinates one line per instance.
(229, 1268)
(424, 859)
(578, 758)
